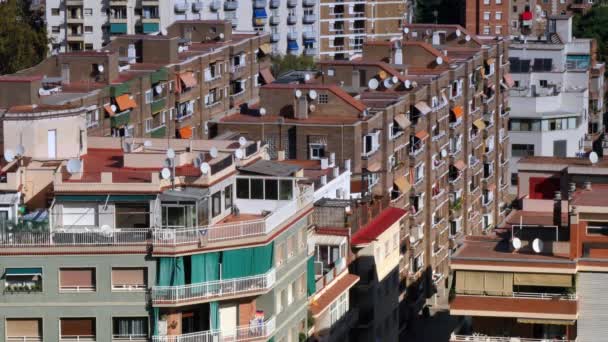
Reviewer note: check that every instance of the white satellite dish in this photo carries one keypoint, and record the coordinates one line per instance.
(387, 83)
(74, 166)
(171, 153)
(147, 143)
(106, 230)
(407, 83)
(163, 32)
(373, 84)
(213, 152)
(312, 108)
(306, 77)
(458, 33)
(298, 93)
(537, 245)
(593, 158)
(406, 30)
(439, 60)
(205, 168)
(312, 94)
(414, 84)
(262, 111)
(394, 79)
(239, 154)
(221, 36)
(114, 108)
(467, 38)
(100, 68)
(444, 153)
(158, 89)
(9, 155)
(516, 243)
(43, 92)
(165, 173)
(197, 162)
(242, 141)
(20, 150)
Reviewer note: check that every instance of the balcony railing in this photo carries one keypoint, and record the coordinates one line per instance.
(241, 333)
(213, 289)
(115, 237)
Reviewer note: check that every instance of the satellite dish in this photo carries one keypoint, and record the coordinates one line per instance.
(197, 162)
(439, 60)
(239, 154)
(312, 108)
(414, 84)
(458, 33)
(171, 153)
(9, 155)
(43, 92)
(242, 141)
(444, 153)
(20, 150)
(165, 173)
(163, 32)
(394, 79)
(262, 111)
(312, 94)
(307, 77)
(406, 30)
(407, 83)
(298, 93)
(516, 243)
(213, 152)
(467, 38)
(537, 245)
(205, 168)
(412, 239)
(100, 68)
(373, 84)
(158, 89)
(114, 108)
(592, 157)
(387, 83)
(168, 162)
(147, 143)
(221, 36)
(74, 166)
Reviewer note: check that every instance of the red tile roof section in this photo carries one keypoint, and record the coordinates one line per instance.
(333, 88)
(428, 47)
(332, 293)
(378, 225)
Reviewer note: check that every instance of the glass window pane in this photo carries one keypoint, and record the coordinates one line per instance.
(228, 197)
(216, 204)
(257, 189)
(203, 212)
(271, 189)
(242, 188)
(286, 190)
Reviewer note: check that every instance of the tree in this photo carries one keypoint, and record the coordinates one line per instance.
(594, 24)
(284, 63)
(442, 11)
(23, 36)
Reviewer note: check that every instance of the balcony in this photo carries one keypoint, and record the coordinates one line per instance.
(213, 290)
(259, 4)
(309, 18)
(275, 3)
(310, 51)
(308, 3)
(292, 35)
(291, 19)
(231, 5)
(275, 37)
(181, 7)
(309, 35)
(325, 278)
(275, 20)
(197, 6)
(292, 3)
(241, 333)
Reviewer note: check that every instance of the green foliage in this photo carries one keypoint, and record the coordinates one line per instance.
(594, 24)
(302, 337)
(284, 63)
(23, 38)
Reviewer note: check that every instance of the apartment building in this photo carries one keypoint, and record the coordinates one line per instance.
(345, 25)
(487, 17)
(159, 239)
(151, 86)
(538, 277)
(556, 108)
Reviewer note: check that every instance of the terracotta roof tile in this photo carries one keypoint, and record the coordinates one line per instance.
(333, 88)
(332, 293)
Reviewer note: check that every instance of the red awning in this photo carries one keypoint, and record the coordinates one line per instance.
(185, 132)
(422, 135)
(458, 111)
(188, 79)
(526, 15)
(460, 165)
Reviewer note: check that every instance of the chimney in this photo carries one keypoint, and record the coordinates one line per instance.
(301, 107)
(332, 159)
(557, 209)
(571, 190)
(324, 180)
(336, 171)
(575, 250)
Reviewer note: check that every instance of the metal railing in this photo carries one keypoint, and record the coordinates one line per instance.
(23, 339)
(215, 288)
(485, 338)
(241, 333)
(529, 295)
(128, 236)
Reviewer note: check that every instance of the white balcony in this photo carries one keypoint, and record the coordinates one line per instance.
(212, 290)
(231, 5)
(181, 7)
(241, 333)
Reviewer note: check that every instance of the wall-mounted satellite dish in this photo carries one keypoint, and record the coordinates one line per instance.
(262, 111)
(467, 38)
(387, 83)
(213, 152)
(312, 108)
(163, 32)
(373, 84)
(205, 168)
(165, 173)
(458, 33)
(439, 60)
(242, 141)
(171, 153)
(593, 158)
(444, 153)
(147, 143)
(406, 30)
(306, 77)
(239, 154)
(537, 245)
(74, 166)
(221, 36)
(158, 89)
(9, 155)
(394, 79)
(516, 243)
(407, 83)
(312, 94)
(298, 93)
(412, 239)
(100, 68)
(114, 108)
(414, 84)
(20, 150)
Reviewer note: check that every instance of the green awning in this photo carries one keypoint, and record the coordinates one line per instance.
(29, 271)
(120, 120)
(119, 89)
(104, 198)
(149, 27)
(159, 132)
(159, 75)
(247, 262)
(118, 28)
(311, 284)
(157, 105)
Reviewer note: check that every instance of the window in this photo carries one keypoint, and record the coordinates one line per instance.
(323, 98)
(317, 151)
(242, 188)
(486, 2)
(597, 228)
(257, 188)
(88, 11)
(130, 328)
(54, 11)
(17, 280)
(24, 329)
(285, 190)
(514, 179)
(522, 150)
(216, 204)
(291, 246)
(271, 191)
(486, 16)
(128, 279)
(55, 29)
(498, 29)
(498, 15)
(77, 279)
(543, 83)
(92, 118)
(228, 197)
(486, 30)
(279, 299)
(88, 29)
(77, 329)
(371, 143)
